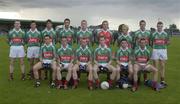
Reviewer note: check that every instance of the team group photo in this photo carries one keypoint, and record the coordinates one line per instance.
(89, 52)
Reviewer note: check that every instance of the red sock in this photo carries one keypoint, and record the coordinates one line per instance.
(59, 82)
(110, 82)
(97, 81)
(65, 82)
(90, 83)
(75, 82)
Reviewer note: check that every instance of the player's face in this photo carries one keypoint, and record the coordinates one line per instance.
(142, 25)
(83, 42)
(66, 23)
(124, 30)
(64, 41)
(47, 40)
(105, 25)
(33, 25)
(49, 25)
(84, 24)
(159, 27)
(17, 25)
(124, 44)
(143, 43)
(102, 41)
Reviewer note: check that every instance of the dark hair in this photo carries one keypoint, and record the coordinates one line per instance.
(123, 40)
(142, 39)
(48, 21)
(67, 19)
(120, 28)
(17, 21)
(142, 21)
(33, 21)
(47, 36)
(159, 23)
(63, 37)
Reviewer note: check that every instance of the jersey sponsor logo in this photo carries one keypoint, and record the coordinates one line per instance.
(123, 58)
(83, 58)
(65, 58)
(17, 40)
(142, 59)
(102, 57)
(33, 40)
(47, 54)
(159, 41)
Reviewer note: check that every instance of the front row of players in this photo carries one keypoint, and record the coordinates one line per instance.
(63, 59)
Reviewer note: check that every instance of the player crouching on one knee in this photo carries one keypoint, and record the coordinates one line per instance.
(123, 58)
(64, 62)
(47, 60)
(102, 60)
(83, 63)
(142, 56)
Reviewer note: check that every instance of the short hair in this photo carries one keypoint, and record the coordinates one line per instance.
(63, 37)
(120, 28)
(142, 21)
(47, 36)
(105, 21)
(49, 21)
(33, 21)
(125, 26)
(160, 23)
(17, 21)
(67, 19)
(142, 39)
(83, 21)
(123, 40)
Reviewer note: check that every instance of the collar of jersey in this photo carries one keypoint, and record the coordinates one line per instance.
(84, 48)
(49, 30)
(33, 31)
(141, 49)
(123, 49)
(65, 47)
(16, 30)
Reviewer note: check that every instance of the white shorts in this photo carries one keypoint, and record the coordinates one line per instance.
(159, 54)
(47, 61)
(33, 52)
(16, 52)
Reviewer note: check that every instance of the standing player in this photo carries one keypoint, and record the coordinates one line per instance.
(67, 31)
(84, 32)
(125, 35)
(123, 59)
(105, 32)
(16, 39)
(160, 40)
(47, 60)
(142, 33)
(65, 61)
(102, 60)
(49, 31)
(83, 63)
(33, 39)
(142, 56)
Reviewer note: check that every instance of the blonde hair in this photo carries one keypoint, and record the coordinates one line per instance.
(125, 26)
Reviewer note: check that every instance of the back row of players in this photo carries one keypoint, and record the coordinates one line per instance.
(133, 53)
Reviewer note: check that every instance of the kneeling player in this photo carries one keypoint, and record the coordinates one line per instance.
(65, 62)
(102, 61)
(83, 56)
(123, 56)
(47, 60)
(142, 56)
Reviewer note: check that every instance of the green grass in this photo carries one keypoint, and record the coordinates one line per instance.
(18, 91)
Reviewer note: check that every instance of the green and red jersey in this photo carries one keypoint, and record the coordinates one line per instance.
(33, 38)
(102, 54)
(123, 55)
(47, 52)
(65, 54)
(83, 54)
(16, 38)
(159, 40)
(128, 37)
(51, 33)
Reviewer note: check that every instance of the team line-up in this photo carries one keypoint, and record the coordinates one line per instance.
(133, 53)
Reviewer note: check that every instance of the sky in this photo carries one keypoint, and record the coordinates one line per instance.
(117, 12)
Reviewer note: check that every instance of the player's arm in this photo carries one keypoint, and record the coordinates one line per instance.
(110, 57)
